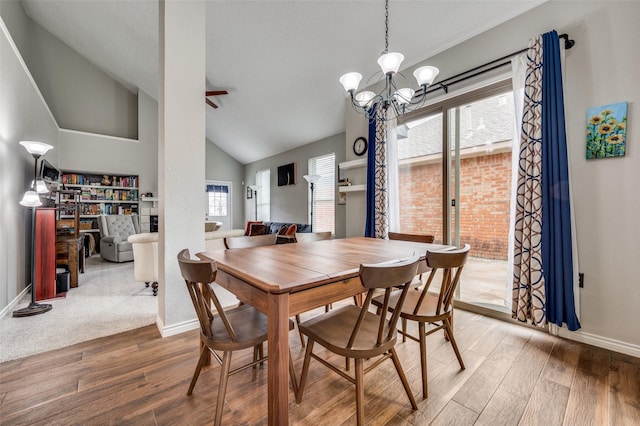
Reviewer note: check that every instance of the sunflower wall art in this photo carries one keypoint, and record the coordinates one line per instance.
(607, 131)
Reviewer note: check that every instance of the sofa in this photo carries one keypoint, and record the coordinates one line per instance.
(145, 259)
(274, 227)
(214, 240)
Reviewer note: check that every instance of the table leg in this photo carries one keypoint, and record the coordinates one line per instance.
(278, 365)
(72, 256)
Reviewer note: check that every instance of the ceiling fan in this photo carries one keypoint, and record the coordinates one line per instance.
(214, 93)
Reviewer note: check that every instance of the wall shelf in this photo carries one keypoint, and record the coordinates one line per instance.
(352, 188)
(346, 165)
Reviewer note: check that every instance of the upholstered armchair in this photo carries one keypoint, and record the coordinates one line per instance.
(114, 231)
(145, 259)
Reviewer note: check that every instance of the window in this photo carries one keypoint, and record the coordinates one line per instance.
(263, 202)
(324, 192)
(217, 200)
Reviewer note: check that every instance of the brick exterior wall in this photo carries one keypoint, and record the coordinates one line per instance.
(484, 202)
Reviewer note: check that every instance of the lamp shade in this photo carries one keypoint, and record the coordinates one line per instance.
(350, 81)
(31, 199)
(312, 178)
(404, 95)
(254, 187)
(36, 148)
(364, 98)
(40, 186)
(390, 62)
(425, 75)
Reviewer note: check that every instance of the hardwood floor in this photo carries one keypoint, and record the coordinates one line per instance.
(514, 375)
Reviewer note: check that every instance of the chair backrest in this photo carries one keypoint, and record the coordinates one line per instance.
(121, 225)
(450, 262)
(303, 237)
(255, 241)
(388, 276)
(199, 275)
(418, 238)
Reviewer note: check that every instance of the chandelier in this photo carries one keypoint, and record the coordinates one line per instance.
(403, 99)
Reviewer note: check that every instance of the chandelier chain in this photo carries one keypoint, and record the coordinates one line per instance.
(386, 27)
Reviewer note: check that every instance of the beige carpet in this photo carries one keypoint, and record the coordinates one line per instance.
(107, 301)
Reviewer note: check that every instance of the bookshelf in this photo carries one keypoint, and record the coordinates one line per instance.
(99, 193)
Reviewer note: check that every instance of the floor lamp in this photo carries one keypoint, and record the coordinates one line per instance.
(32, 199)
(255, 188)
(312, 179)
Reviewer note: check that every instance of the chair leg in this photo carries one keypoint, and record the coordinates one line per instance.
(292, 375)
(222, 390)
(423, 358)
(449, 329)
(403, 379)
(300, 332)
(404, 330)
(305, 369)
(359, 366)
(201, 362)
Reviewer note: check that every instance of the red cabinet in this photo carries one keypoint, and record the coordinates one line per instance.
(45, 253)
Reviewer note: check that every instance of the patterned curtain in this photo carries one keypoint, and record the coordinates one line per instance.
(377, 220)
(528, 281)
(543, 256)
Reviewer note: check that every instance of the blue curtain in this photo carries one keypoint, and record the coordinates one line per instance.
(557, 257)
(370, 222)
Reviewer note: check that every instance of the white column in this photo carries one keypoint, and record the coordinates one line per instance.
(181, 153)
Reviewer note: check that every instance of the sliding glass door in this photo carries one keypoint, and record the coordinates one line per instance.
(454, 163)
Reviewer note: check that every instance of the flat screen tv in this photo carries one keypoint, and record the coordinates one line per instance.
(48, 172)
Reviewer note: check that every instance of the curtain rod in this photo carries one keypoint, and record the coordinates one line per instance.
(444, 84)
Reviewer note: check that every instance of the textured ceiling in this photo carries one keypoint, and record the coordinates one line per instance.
(279, 60)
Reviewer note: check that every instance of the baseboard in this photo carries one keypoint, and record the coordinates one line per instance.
(174, 329)
(10, 307)
(599, 341)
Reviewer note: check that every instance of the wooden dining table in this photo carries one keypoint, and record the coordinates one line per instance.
(287, 279)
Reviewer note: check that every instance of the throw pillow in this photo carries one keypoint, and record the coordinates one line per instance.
(282, 230)
(248, 227)
(257, 229)
(291, 231)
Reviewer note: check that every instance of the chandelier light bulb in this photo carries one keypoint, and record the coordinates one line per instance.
(404, 95)
(36, 148)
(350, 81)
(425, 75)
(390, 62)
(364, 98)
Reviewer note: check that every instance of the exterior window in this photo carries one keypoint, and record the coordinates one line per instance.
(217, 200)
(263, 203)
(324, 192)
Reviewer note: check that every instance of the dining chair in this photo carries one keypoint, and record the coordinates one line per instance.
(427, 308)
(354, 332)
(227, 331)
(304, 237)
(418, 238)
(253, 241)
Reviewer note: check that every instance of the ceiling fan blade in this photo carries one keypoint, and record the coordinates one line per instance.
(210, 103)
(216, 92)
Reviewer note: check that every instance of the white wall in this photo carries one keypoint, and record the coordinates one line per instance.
(80, 95)
(600, 69)
(96, 153)
(290, 203)
(23, 116)
(222, 166)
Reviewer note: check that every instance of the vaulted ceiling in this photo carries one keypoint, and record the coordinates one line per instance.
(279, 60)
